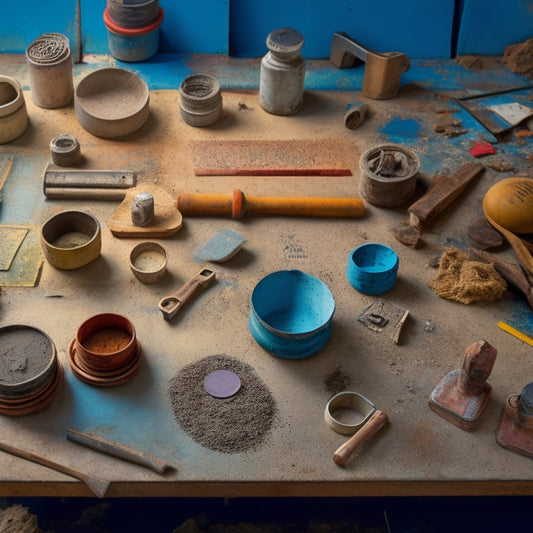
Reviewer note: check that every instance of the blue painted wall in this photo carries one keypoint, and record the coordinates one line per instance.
(487, 27)
(419, 28)
(23, 21)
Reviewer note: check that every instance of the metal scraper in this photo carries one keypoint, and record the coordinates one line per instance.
(513, 113)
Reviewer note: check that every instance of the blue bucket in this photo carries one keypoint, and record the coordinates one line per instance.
(372, 268)
(291, 314)
(133, 45)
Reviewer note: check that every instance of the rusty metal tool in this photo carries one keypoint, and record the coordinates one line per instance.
(117, 449)
(237, 205)
(493, 122)
(370, 428)
(170, 305)
(383, 71)
(461, 395)
(516, 428)
(98, 485)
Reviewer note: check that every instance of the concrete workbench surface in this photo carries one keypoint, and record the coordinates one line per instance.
(417, 453)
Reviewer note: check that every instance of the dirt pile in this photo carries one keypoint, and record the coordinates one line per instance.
(518, 58)
(17, 519)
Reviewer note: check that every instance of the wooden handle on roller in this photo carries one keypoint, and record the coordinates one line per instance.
(117, 449)
(374, 424)
(97, 485)
(237, 205)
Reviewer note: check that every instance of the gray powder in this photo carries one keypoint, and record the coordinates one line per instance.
(24, 354)
(230, 425)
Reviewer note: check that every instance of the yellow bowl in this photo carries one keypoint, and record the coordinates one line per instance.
(71, 239)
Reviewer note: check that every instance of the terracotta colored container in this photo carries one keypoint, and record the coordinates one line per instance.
(106, 341)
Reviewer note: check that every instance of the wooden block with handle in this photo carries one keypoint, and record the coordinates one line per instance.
(442, 192)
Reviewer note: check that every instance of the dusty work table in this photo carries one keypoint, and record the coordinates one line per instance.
(418, 453)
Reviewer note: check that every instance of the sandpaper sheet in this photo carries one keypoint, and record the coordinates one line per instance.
(11, 238)
(323, 157)
(27, 263)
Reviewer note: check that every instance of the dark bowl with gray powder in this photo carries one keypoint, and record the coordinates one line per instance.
(28, 360)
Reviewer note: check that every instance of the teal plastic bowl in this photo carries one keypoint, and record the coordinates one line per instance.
(291, 314)
(372, 268)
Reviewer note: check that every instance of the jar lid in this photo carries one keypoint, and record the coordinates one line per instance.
(285, 41)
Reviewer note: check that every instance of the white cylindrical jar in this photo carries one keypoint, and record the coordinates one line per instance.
(281, 85)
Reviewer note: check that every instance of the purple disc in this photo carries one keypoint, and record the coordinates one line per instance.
(222, 383)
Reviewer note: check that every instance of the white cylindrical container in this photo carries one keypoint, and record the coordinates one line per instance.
(281, 85)
(50, 71)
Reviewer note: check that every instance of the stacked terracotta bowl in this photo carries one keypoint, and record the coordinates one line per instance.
(105, 351)
(30, 373)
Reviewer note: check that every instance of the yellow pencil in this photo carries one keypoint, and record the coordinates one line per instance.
(516, 333)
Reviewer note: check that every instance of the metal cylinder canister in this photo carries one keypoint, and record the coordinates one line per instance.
(281, 84)
(200, 100)
(50, 71)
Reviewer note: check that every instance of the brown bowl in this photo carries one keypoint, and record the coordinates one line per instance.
(110, 379)
(106, 341)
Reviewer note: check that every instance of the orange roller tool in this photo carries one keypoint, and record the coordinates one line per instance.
(237, 205)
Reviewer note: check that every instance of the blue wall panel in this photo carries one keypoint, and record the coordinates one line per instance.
(200, 26)
(487, 27)
(418, 28)
(94, 32)
(23, 21)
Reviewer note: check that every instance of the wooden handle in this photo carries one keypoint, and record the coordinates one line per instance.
(441, 193)
(374, 424)
(477, 366)
(170, 305)
(97, 485)
(117, 449)
(516, 243)
(237, 205)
